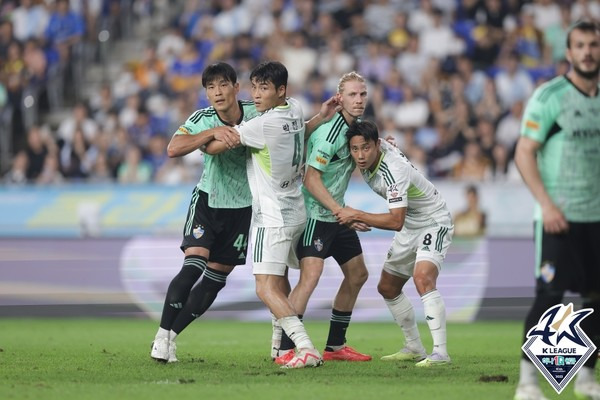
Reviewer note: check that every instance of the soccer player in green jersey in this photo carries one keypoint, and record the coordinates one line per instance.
(215, 233)
(329, 167)
(424, 228)
(558, 155)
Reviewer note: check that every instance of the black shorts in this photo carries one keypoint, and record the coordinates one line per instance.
(223, 231)
(569, 261)
(324, 239)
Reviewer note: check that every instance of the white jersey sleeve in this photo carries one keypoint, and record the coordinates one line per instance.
(252, 133)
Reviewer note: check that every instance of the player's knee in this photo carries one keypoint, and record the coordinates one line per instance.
(358, 277)
(388, 290)
(309, 278)
(424, 282)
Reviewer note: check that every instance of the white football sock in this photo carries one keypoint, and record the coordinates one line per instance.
(172, 336)
(585, 374)
(435, 315)
(528, 373)
(162, 334)
(276, 338)
(404, 314)
(294, 328)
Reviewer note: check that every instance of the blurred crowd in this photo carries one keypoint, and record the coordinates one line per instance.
(447, 79)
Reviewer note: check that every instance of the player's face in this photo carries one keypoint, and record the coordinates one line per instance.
(364, 152)
(266, 96)
(222, 94)
(353, 98)
(584, 53)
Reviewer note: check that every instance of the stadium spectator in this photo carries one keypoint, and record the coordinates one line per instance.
(133, 169)
(29, 20)
(17, 174)
(471, 221)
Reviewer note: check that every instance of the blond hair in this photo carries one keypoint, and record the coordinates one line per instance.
(350, 76)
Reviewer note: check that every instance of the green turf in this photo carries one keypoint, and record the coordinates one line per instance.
(109, 359)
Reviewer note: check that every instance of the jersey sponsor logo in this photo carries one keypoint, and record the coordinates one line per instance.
(425, 248)
(198, 231)
(286, 127)
(184, 130)
(323, 154)
(547, 272)
(242, 255)
(395, 200)
(532, 125)
(321, 160)
(318, 243)
(557, 345)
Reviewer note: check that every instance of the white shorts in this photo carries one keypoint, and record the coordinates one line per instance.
(274, 249)
(413, 245)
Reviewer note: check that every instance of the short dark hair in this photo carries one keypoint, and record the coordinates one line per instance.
(367, 129)
(218, 70)
(270, 71)
(584, 26)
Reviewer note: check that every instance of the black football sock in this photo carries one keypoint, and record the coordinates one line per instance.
(337, 328)
(200, 299)
(179, 289)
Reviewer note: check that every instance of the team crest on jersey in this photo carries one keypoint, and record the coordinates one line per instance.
(547, 272)
(318, 244)
(557, 345)
(198, 231)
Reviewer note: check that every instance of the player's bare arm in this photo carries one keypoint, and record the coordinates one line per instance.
(327, 111)
(224, 138)
(392, 220)
(525, 159)
(314, 184)
(180, 145)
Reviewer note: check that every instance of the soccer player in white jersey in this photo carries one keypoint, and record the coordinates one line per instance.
(424, 228)
(275, 142)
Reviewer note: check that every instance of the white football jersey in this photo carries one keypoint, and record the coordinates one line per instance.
(402, 185)
(275, 142)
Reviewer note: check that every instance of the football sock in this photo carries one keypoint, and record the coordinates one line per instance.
(527, 373)
(586, 374)
(286, 342)
(591, 326)
(337, 329)
(277, 333)
(404, 314)
(542, 302)
(200, 299)
(179, 289)
(435, 315)
(294, 328)
(162, 334)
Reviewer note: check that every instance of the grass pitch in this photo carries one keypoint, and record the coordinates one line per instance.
(109, 359)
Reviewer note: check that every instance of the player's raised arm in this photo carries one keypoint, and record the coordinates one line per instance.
(327, 111)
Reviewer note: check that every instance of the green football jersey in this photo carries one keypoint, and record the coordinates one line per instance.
(567, 124)
(328, 152)
(224, 177)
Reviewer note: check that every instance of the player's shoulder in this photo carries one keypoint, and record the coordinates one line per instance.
(552, 89)
(203, 113)
(331, 130)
